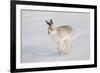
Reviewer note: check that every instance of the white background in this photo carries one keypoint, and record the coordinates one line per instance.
(5, 36)
(38, 46)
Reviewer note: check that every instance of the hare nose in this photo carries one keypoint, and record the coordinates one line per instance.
(48, 32)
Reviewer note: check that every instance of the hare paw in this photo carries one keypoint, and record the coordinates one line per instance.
(66, 52)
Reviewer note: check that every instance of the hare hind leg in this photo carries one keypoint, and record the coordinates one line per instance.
(70, 43)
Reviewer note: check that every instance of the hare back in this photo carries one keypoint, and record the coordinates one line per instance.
(65, 28)
(65, 32)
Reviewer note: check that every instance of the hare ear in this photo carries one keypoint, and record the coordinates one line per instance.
(47, 22)
(51, 21)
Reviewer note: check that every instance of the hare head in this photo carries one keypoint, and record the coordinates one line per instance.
(51, 28)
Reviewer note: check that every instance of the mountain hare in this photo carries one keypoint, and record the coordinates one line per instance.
(64, 36)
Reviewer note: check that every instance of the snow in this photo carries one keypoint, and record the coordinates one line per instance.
(38, 46)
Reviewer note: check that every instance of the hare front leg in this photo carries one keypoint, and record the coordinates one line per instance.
(60, 47)
(68, 45)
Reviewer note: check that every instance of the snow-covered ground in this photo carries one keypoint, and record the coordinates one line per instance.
(38, 46)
